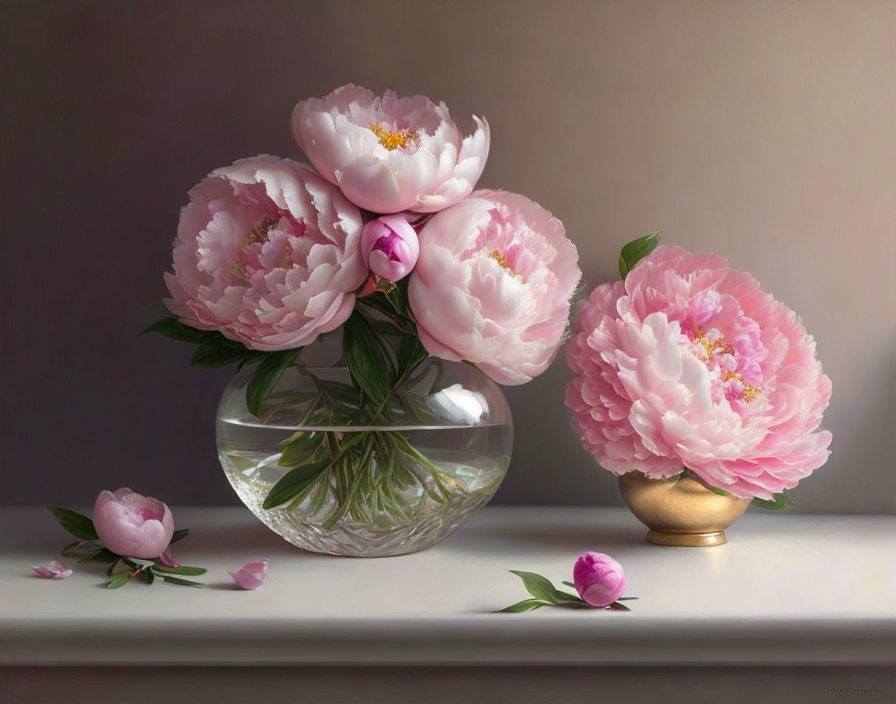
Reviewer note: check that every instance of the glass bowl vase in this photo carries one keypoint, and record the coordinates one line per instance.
(331, 472)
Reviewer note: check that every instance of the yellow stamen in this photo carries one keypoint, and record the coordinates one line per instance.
(394, 140)
(239, 271)
(260, 233)
(498, 257)
(751, 393)
(712, 346)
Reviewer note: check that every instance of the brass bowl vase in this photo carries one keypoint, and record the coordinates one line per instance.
(681, 510)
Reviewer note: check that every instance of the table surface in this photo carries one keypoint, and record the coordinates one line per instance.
(786, 589)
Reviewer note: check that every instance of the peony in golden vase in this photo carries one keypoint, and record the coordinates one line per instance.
(681, 510)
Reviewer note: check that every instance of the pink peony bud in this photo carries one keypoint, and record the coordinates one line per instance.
(132, 525)
(599, 579)
(390, 247)
(251, 575)
(53, 570)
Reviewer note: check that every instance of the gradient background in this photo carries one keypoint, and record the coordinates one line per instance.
(765, 131)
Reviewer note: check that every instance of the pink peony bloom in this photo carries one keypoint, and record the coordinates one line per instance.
(689, 364)
(390, 246)
(268, 253)
(52, 570)
(599, 579)
(132, 525)
(251, 575)
(389, 154)
(493, 285)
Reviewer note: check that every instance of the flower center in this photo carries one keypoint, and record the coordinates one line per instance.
(498, 257)
(716, 351)
(394, 140)
(259, 235)
(248, 259)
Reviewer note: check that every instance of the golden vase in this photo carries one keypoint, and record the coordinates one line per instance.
(681, 510)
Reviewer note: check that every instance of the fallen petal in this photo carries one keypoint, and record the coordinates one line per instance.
(52, 570)
(167, 559)
(251, 575)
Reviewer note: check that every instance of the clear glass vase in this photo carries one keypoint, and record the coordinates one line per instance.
(366, 479)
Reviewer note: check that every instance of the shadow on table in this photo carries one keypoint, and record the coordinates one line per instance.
(501, 538)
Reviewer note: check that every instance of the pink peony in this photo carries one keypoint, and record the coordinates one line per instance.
(387, 153)
(493, 285)
(132, 525)
(268, 253)
(689, 364)
(390, 246)
(599, 579)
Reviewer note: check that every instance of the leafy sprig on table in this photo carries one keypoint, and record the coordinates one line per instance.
(122, 569)
(544, 593)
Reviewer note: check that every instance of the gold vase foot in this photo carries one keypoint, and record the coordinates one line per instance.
(687, 540)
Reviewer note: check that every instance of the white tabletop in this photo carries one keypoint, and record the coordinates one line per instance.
(787, 589)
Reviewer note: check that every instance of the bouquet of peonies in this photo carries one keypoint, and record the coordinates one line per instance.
(687, 366)
(382, 237)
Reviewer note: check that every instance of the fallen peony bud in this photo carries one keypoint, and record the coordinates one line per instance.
(598, 578)
(132, 525)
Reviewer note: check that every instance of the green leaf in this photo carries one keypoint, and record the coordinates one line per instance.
(521, 606)
(81, 548)
(411, 352)
(293, 483)
(716, 490)
(183, 569)
(566, 598)
(366, 360)
(539, 587)
(102, 556)
(252, 357)
(76, 524)
(181, 582)
(635, 251)
(627, 598)
(384, 327)
(300, 448)
(777, 503)
(119, 579)
(179, 535)
(146, 575)
(119, 566)
(616, 606)
(218, 352)
(176, 330)
(266, 376)
(398, 297)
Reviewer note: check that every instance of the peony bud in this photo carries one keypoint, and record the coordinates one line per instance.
(251, 575)
(53, 570)
(390, 247)
(599, 579)
(132, 525)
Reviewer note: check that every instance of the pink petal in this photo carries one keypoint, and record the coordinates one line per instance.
(167, 559)
(53, 570)
(251, 575)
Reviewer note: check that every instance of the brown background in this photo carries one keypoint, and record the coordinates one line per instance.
(765, 131)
